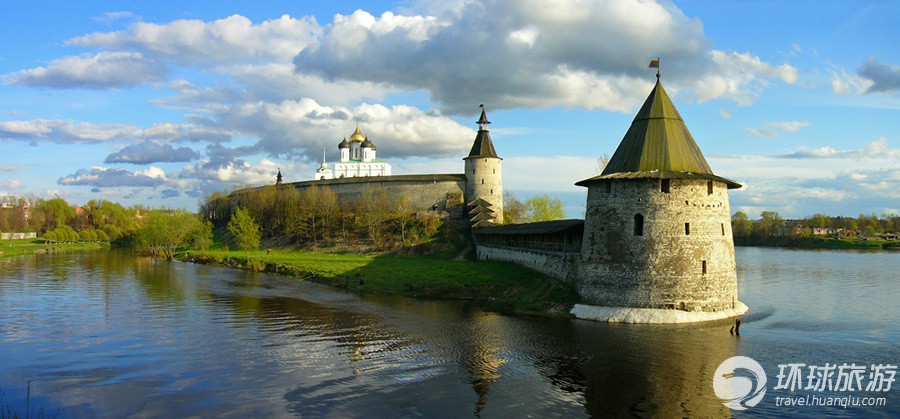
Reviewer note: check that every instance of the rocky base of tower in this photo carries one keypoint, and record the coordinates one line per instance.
(653, 315)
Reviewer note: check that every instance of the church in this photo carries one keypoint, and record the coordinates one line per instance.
(357, 160)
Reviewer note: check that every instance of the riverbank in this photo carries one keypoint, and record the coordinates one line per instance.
(20, 247)
(501, 286)
(818, 242)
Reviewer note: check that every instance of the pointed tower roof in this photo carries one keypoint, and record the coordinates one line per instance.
(344, 144)
(658, 145)
(483, 147)
(368, 143)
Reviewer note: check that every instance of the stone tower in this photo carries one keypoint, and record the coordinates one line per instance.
(657, 230)
(484, 185)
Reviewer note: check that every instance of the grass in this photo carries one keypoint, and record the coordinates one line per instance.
(818, 242)
(29, 246)
(502, 286)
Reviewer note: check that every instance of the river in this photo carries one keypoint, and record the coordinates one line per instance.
(106, 334)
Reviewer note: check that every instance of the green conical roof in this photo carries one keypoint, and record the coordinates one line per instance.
(658, 145)
(658, 140)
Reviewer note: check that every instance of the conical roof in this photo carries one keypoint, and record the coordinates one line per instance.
(658, 145)
(344, 144)
(483, 146)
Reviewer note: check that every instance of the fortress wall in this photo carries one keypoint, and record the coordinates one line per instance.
(559, 265)
(663, 267)
(445, 192)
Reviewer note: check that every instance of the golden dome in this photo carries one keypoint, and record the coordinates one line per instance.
(357, 136)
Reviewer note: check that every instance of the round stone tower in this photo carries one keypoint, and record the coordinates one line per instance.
(484, 185)
(657, 230)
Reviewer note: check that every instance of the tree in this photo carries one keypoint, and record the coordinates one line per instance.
(543, 208)
(769, 223)
(375, 208)
(602, 162)
(245, 230)
(58, 210)
(166, 230)
(204, 235)
(513, 209)
(741, 226)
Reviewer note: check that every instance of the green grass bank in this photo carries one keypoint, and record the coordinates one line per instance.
(501, 286)
(20, 247)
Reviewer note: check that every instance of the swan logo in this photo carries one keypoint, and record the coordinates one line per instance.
(740, 382)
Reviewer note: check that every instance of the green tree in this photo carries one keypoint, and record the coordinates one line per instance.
(741, 226)
(543, 208)
(58, 210)
(769, 223)
(245, 230)
(204, 236)
(166, 230)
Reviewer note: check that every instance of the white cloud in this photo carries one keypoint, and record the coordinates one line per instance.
(8, 168)
(878, 149)
(772, 129)
(227, 40)
(103, 70)
(151, 152)
(71, 132)
(724, 113)
(10, 185)
(104, 177)
(110, 17)
(590, 54)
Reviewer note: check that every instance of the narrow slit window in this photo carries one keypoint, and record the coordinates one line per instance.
(638, 225)
(723, 228)
(687, 229)
(709, 187)
(482, 181)
(703, 266)
(664, 185)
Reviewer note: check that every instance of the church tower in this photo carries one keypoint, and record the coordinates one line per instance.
(484, 185)
(657, 230)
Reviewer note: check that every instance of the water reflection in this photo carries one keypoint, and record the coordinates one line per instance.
(107, 334)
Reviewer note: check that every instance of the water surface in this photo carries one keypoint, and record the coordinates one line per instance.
(109, 335)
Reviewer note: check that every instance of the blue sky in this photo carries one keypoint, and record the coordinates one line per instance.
(160, 103)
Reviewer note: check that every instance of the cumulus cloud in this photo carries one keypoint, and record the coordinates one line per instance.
(773, 129)
(8, 168)
(103, 177)
(588, 54)
(103, 70)
(883, 77)
(215, 174)
(151, 152)
(302, 128)
(196, 42)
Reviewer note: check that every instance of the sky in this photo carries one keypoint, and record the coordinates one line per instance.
(162, 103)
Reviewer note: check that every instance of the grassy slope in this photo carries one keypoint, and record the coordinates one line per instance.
(29, 246)
(501, 285)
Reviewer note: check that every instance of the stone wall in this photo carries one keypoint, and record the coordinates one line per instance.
(680, 256)
(485, 181)
(559, 265)
(442, 192)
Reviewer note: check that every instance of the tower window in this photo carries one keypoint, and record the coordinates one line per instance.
(492, 191)
(723, 228)
(494, 171)
(473, 170)
(664, 185)
(709, 187)
(482, 181)
(638, 225)
(687, 228)
(703, 266)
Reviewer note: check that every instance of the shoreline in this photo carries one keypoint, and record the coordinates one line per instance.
(499, 286)
(826, 243)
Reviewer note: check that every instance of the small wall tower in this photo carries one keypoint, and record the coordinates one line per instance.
(657, 230)
(484, 178)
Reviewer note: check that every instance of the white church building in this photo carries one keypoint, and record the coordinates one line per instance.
(357, 159)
